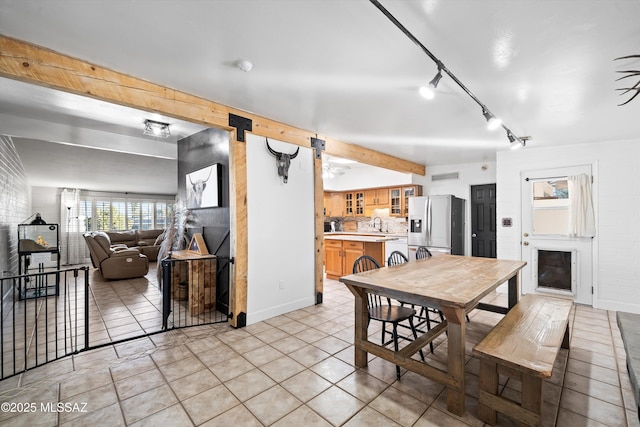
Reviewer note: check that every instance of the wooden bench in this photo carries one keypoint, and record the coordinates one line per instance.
(523, 345)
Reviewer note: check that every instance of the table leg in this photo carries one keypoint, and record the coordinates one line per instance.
(489, 385)
(361, 324)
(514, 290)
(455, 342)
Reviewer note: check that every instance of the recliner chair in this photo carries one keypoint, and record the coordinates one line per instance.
(115, 261)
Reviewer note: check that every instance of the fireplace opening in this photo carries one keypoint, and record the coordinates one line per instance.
(555, 270)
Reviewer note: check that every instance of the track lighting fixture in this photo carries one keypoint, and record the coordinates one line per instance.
(427, 91)
(434, 82)
(516, 143)
(493, 122)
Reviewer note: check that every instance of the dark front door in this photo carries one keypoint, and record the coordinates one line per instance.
(483, 220)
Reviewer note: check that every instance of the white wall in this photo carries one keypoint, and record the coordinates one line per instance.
(280, 231)
(364, 176)
(616, 251)
(46, 201)
(468, 174)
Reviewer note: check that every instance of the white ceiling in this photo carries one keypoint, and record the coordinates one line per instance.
(341, 68)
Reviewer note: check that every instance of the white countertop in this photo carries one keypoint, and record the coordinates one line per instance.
(362, 233)
(360, 237)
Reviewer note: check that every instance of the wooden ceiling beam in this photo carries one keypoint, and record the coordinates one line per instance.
(37, 65)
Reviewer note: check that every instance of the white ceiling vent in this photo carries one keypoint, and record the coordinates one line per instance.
(443, 176)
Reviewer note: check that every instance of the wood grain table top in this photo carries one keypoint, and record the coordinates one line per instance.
(441, 280)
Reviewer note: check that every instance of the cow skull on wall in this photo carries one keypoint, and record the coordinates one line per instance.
(283, 161)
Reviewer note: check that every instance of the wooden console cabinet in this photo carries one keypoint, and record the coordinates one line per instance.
(200, 274)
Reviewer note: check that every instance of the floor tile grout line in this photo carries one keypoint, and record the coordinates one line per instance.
(617, 359)
(616, 352)
(563, 388)
(336, 384)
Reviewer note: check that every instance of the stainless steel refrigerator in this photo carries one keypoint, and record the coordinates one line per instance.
(436, 222)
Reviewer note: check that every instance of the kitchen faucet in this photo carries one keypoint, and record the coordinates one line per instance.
(374, 223)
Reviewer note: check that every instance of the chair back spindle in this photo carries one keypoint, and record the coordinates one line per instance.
(423, 252)
(396, 257)
(365, 263)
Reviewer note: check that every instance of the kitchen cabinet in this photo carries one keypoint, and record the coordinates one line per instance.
(325, 203)
(411, 191)
(400, 199)
(334, 204)
(351, 252)
(395, 194)
(339, 255)
(362, 202)
(354, 203)
(333, 263)
(377, 197)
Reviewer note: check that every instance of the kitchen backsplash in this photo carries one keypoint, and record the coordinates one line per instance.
(365, 225)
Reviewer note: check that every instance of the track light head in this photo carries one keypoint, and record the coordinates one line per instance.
(517, 145)
(434, 82)
(493, 122)
(516, 142)
(428, 92)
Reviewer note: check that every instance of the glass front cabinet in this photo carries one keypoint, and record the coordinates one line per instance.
(38, 260)
(400, 199)
(396, 209)
(354, 203)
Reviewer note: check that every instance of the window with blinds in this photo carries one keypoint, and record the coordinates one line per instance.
(128, 212)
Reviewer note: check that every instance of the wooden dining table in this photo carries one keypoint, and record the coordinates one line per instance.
(454, 285)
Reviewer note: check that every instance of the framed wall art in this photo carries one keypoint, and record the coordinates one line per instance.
(203, 187)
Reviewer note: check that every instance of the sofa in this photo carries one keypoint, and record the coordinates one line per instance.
(115, 261)
(146, 241)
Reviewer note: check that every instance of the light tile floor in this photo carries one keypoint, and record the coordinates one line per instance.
(297, 370)
(41, 329)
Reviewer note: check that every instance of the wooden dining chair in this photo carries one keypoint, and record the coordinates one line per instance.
(422, 253)
(385, 313)
(395, 258)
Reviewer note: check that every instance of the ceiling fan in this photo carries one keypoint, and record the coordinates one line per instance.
(331, 170)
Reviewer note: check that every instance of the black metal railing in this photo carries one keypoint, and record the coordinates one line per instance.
(42, 318)
(193, 293)
(45, 316)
